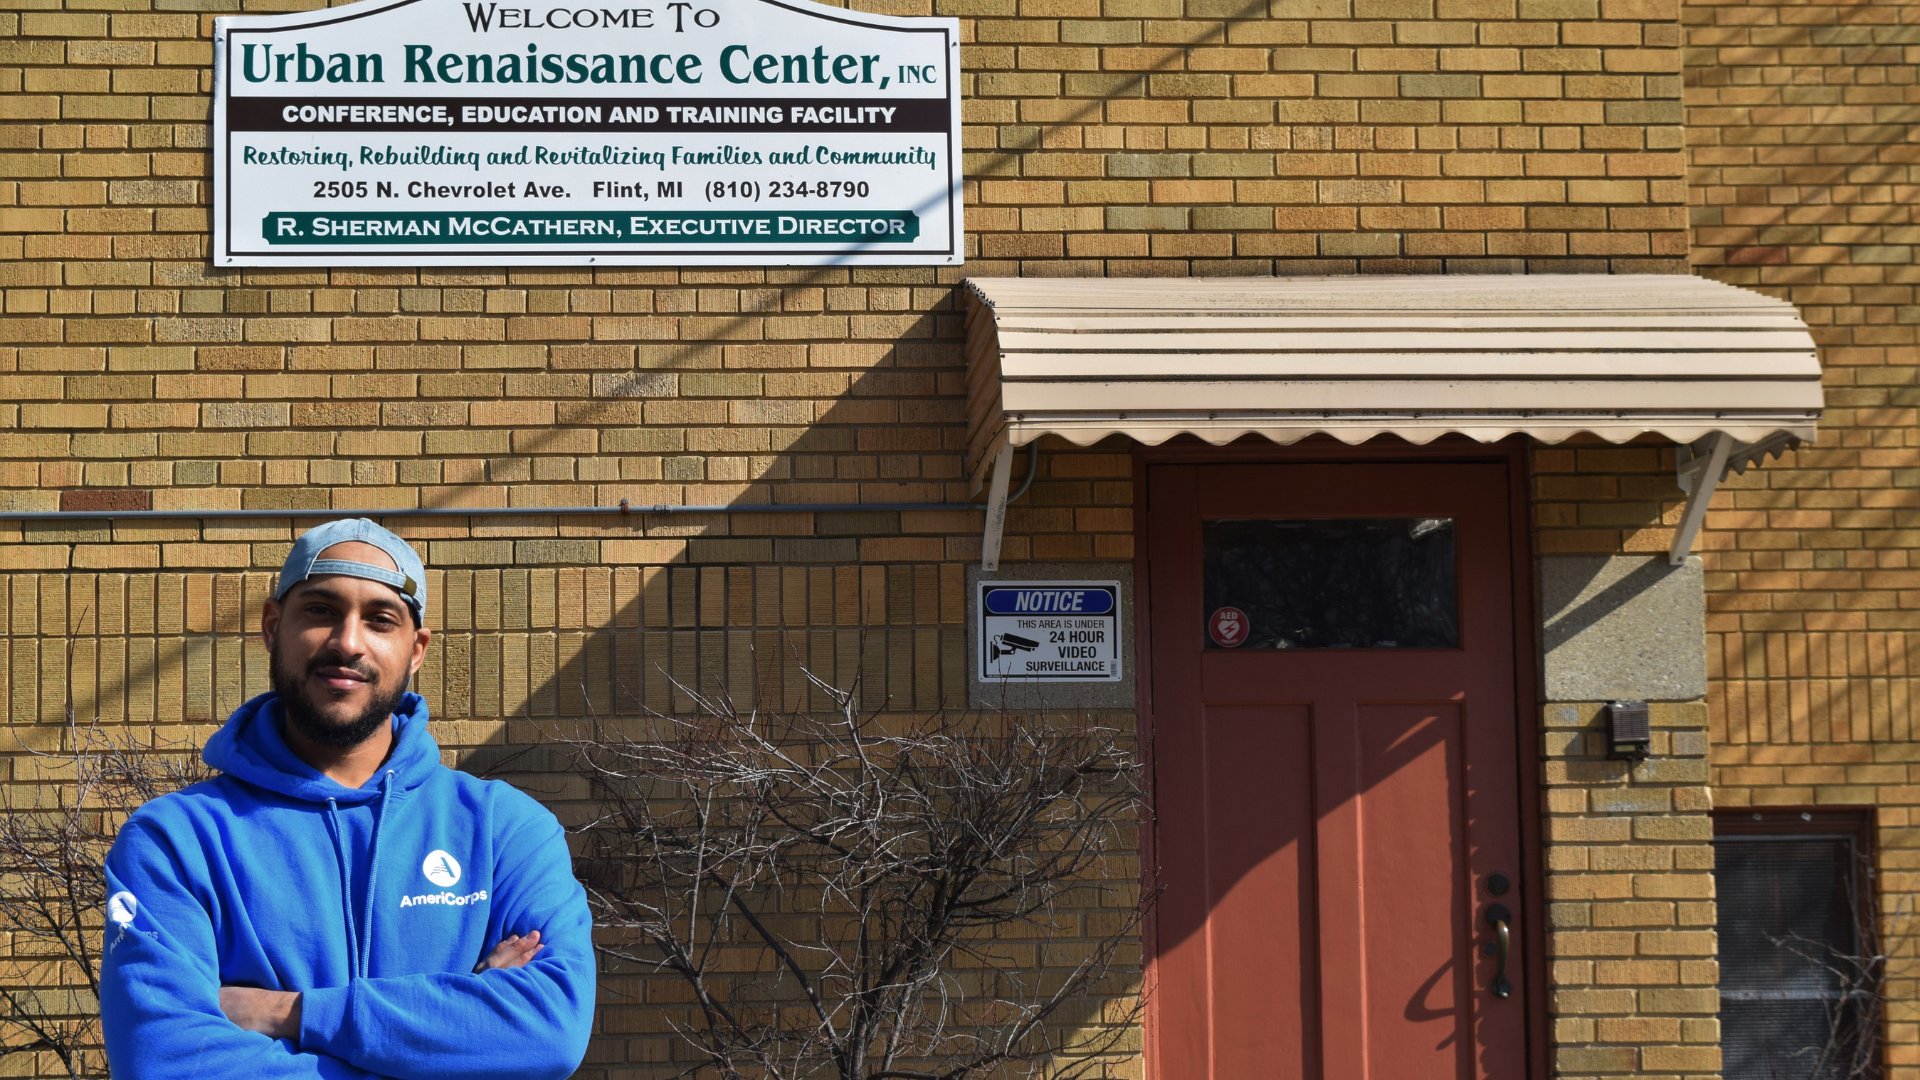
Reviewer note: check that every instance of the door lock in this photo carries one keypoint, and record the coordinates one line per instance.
(1501, 920)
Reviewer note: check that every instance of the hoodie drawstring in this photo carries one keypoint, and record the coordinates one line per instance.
(346, 881)
(360, 938)
(373, 873)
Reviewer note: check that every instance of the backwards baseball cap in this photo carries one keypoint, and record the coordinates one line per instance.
(304, 561)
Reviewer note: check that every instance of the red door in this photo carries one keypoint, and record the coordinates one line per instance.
(1336, 773)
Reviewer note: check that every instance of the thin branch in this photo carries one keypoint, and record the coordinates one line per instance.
(869, 897)
(53, 884)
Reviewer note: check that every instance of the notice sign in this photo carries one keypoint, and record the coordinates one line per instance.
(1049, 631)
(483, 133)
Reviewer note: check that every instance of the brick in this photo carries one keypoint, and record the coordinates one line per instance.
(63, 416)
(1148, 165)
(645, 552)
(244, 415)
(471, 552)
(27, 557)
(208, 556)
(119, 556)
(1440, 86)
(106, 499)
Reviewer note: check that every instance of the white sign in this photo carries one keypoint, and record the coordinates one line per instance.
(676, 132)
(1049, 631)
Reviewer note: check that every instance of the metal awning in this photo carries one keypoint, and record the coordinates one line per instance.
(1728, 373)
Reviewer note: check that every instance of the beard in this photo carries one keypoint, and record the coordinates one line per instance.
(307, 719)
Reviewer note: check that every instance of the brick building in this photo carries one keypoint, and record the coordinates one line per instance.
(161, 419)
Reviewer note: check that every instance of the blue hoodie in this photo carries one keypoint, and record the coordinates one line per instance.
(375, 904)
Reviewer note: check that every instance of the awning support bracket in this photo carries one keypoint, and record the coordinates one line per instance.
(1698, 474)
(1700, 468)
(998, 498)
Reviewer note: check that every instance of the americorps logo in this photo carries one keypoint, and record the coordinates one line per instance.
(122, 907)
(442, 869)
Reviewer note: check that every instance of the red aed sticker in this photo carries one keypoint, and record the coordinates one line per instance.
(1228, 627)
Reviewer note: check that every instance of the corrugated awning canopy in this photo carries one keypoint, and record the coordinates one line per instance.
(1418, 357)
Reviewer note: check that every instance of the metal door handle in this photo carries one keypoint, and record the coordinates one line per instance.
(1500, 919)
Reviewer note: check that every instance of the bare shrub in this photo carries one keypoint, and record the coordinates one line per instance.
(942, 899)
(53, 886)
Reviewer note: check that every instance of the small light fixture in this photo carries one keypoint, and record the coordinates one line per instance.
(1629, 736)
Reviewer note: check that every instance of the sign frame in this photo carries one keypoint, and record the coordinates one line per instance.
(987, 651)
(232, 249)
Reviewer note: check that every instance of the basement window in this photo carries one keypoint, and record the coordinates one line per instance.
(1800, 978)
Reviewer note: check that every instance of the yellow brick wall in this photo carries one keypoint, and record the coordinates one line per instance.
(1630, 898)
(1144, 137)
(510, 645)
(1595, 498)
(1802, 161)
(1801, 155)
(1138, 137)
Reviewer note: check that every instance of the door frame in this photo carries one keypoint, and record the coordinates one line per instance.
(1320, 450)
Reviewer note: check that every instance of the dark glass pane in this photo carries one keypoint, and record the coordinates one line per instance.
(1776, 1040)
(1785, 923)
(1348, 583)
(1777, 892)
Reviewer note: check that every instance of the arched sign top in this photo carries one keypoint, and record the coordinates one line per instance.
(568, 132)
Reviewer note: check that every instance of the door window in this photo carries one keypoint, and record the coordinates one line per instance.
(1330, 583)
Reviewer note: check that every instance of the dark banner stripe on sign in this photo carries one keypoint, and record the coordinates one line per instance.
(585, 114)
(840, 228)
(1050, 600)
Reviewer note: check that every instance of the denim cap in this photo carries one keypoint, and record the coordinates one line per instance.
(304, 561)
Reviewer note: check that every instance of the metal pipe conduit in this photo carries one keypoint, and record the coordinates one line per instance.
(623, 508)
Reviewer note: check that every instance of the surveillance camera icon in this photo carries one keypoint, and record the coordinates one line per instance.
(1008, 644)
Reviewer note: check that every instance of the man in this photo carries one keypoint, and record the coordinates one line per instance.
(339, 904)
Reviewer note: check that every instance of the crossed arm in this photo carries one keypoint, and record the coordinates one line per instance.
(276, 1013)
